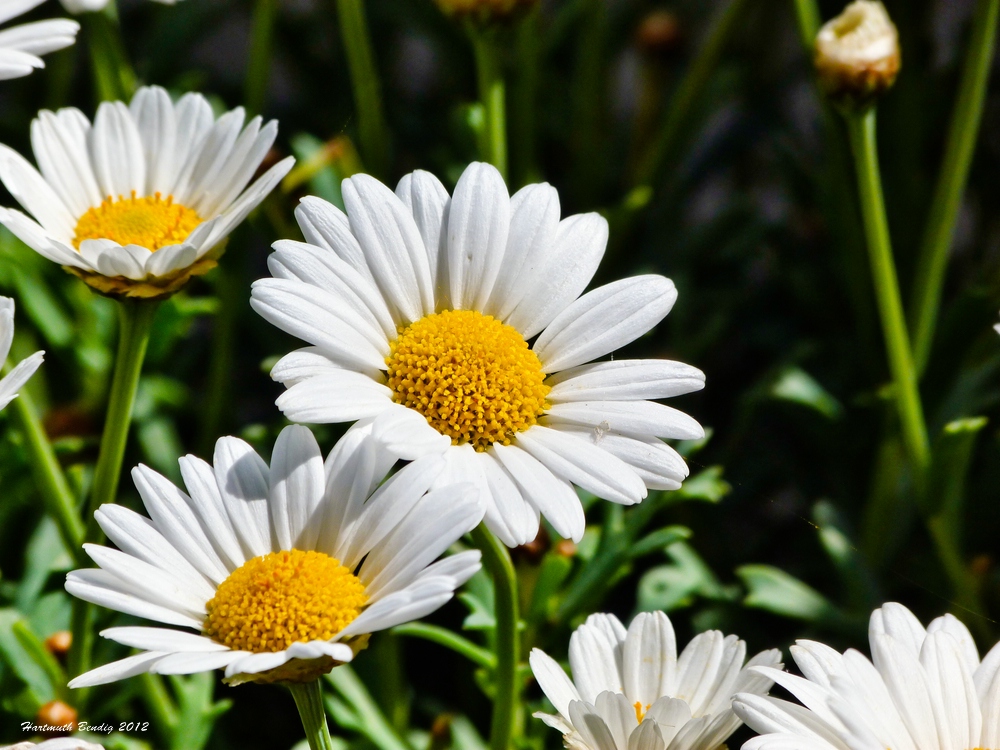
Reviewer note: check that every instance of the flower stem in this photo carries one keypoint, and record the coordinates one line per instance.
(309, 700)
(114, 78)
(963, 132)
(496, 560)
(493, 96)
(135, 321)
(49, 476)
(367, 87)
(259, 65)
(861, 129)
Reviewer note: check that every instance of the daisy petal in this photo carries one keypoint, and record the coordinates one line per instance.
(117, 670)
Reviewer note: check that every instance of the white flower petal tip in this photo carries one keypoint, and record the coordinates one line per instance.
(417, 308)
(11, 383)
(22, 47)
(923, 687)
(144, 198)
(59, 743)
(631, 690)
(362, 550)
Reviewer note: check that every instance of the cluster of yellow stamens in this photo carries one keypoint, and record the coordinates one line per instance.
(473, 377)
(151, 222)
(640, 710)
(273, 601)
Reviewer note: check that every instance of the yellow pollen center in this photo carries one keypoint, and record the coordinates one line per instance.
(640, 711)
(151, 222)
(273, 601)
(471, 376)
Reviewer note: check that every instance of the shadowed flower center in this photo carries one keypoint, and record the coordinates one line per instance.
(273, 601)
(473, 377)
(151, 222)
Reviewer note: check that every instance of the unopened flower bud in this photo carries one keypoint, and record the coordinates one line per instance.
(659, 34)
(58, 644)
(857, 55)
(486, 13)
(57, 716)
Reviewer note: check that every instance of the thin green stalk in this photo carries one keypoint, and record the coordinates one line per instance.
(259, 65)
(49, 476)
(444, 637)
(496, 560)
(963, 132)
(114, 78)
(861, 129)
(366, 85)
(493, 96)
(309, 700)
(160, 705)
(135, 322)
(231, 290)
(692, 85)
(524, 104)
(807, 13)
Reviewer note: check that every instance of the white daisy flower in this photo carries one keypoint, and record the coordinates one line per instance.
(141, 200)
(282, 571)
(21, 47)
(630, 690)
(59, 743)
(92, 6)
(419, 307)
(922, 690)
(23, 370)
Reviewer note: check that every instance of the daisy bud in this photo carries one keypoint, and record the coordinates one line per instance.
(58, 644)
(857, 55)
(58, 715)
(486, 12)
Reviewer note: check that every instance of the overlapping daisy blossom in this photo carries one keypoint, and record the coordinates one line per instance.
(282, 572)
(923, 689)
(22, 47)
(419, 307)
(631, 691)
(59, 743)
(143, 199)
(23, 370)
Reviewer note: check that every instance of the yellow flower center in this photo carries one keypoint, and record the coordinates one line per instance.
(640, 711)
(273, 601)
(471, 376)
(151, 222)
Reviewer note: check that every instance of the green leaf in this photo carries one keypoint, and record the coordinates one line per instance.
(371, 722)
(799, 387)
(776, 591)
(707, 485)
(551, 575)
(22, 663)
(669, 587)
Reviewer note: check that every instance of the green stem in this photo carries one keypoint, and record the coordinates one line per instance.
(259, 65)
(444, 637)
(496, 560)
(49, 476)
(692, 86)
(365, 82)
(114, 78)
(861, 128)
(230, 288)
(807, 13)
(160, 705)
(493, 96)
(963, 132)
(309, 700)
(135, 322)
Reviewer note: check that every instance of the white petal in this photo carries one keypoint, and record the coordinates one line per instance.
(116, 152)
(169, 259)
(649, 658)
(59, 141)
(625, 380)
(534, 219)
(187, 594)
(567, 268)
(162, 639)
(478, 223)
(604, 320)
(32, 235)
(428, 201)
(647, 737)
(596, 661)
(591, 727)
(192, 663)
(243, 480)
(199, 478)
(417, 600)
(18, 376)
(619, 716)
(406, 434)
(896, 620)
(583, 463)
(31, 190)
(554, 682)
(154, 116)
(117, 670)
(636, 418)
(256, 663)
(658, 465)
(297, 485)
(335, 397)
(327, 227)
(107, 590)
(392, 246)
(554, 497)
(208, 159)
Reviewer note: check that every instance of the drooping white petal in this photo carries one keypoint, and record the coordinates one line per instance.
(554, 497)
(117, 670)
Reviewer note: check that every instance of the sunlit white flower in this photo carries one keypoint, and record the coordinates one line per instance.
(59, 743)
(23, 370)
(922, 690)
(142, 200)
(282, 571)
(21, 47)
(419, 307)
(631, 691)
